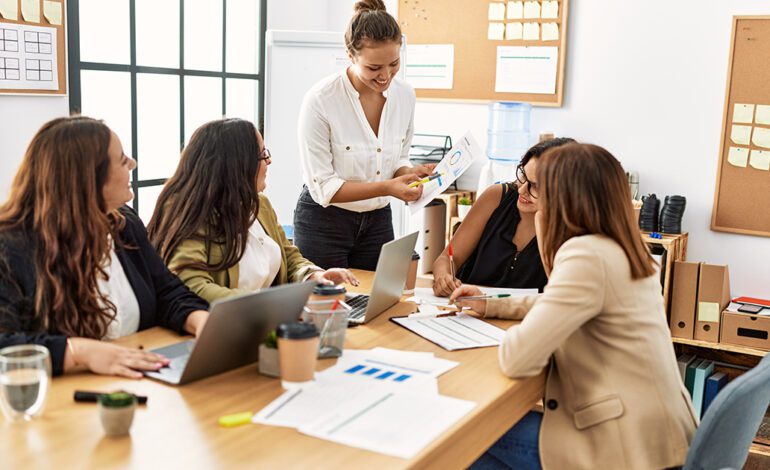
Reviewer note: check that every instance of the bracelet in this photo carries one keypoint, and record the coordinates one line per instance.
(71, 348)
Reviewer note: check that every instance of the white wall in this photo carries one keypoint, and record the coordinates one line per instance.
(646, 80)
(20, 118)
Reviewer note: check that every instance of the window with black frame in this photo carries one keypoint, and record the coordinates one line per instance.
(155, 70)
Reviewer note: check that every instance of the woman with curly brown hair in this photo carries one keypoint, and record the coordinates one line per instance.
(76, 266)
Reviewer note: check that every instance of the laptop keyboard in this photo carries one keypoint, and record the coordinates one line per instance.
(358, 305)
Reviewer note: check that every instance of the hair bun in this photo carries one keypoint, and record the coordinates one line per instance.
(369, 5)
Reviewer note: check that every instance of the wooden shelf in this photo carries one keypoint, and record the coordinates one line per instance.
(721, 347)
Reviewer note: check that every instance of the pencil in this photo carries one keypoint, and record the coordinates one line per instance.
(451, 261)
(483, 297)
(432, 177)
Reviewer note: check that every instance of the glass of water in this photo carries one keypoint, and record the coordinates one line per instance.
(331, 319)
(25, 375)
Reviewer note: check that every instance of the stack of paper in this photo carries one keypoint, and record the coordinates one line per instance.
(382, 400)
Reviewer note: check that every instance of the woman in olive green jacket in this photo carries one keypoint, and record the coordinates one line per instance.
(214, 228)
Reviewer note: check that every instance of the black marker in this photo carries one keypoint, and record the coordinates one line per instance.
(93, 397)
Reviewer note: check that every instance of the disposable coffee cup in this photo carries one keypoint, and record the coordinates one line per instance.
(297, 351)
(411, 275)
(325, 292)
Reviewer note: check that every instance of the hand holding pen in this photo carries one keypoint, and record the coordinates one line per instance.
(471, 297)
(444, 280)
(427, 179)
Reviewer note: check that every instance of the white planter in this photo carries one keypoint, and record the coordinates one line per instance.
(462, 210)
(268, 361)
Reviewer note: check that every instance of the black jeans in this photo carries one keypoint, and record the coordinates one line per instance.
(332, 237)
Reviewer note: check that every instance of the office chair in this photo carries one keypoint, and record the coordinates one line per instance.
(731, 422)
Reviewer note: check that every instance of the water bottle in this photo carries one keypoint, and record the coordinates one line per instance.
(508, 131)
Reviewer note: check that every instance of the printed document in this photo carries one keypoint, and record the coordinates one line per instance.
(454, 332)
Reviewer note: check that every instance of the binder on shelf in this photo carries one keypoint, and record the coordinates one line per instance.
(684, 299)
(713, 298)
(704, 370)
(689, 378)
(684, 361)
(714, 384)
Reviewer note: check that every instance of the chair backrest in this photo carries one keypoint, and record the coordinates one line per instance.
(724, 436)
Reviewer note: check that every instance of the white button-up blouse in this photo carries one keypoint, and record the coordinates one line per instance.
(337, 144)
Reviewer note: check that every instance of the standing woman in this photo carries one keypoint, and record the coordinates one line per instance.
(355, 130)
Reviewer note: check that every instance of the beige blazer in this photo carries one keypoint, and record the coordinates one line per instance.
(613, 397)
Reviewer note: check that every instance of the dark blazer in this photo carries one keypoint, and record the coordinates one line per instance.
(163, 299)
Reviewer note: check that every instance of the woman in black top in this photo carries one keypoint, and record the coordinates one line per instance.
(495, 245)
(75, 263)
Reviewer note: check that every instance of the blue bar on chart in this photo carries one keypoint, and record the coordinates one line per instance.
(372, 371)
(376, 373)
(355, 369)
(385, 375)
(401, 378)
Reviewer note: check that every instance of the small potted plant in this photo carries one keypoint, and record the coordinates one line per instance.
(268, 356)
(463, 207)
(116, 411)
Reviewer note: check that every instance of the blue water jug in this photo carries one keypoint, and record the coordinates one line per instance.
(508, 131)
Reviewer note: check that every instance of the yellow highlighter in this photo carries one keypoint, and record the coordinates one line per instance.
(414, 184)
(236, 419)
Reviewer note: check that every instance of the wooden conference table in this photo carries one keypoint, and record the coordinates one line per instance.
(178, 428)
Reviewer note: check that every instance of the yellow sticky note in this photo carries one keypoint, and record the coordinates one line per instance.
(760, 159)
(531, 9)
(761, 137)
(531, 31)
(550, 32)
(514, 31)
(550, 9)
(9, 9)
(496, 31)
(763, 114)
(740, 134)
(30, 10)
(496, 11)
(515, 10)
(52, 12)
(708, 311)
(738, 156)
(743, 113)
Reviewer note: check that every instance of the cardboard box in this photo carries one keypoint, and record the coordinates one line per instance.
(713, 298)
(684, 297)
(743, 329)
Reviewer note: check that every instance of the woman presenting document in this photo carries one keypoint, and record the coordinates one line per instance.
(355, 129)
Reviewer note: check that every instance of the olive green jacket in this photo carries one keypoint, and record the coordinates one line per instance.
(217, 285)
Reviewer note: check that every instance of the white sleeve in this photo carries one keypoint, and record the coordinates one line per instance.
(403, 160)
(315, 154)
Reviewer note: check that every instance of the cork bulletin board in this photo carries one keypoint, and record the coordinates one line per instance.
(742, 196)
(33, 47)
(533, 35)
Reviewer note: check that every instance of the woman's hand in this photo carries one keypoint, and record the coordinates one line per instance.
(334, 276)
(195, 322)
(424, 170)
(106, 358)
(477, 306)
(398, 187)
(444, 284)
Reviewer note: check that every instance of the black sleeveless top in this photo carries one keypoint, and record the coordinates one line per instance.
(496, 261)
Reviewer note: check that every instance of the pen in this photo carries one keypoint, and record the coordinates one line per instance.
(92, 397)
(483, 297)
(451, 261)
(432, 177)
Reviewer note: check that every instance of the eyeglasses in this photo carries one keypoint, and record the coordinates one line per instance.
(521, 178)
(265, 155)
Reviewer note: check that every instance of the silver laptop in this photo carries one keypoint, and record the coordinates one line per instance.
(389, 279)
(232, 335)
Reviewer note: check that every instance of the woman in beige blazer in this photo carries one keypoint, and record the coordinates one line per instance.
(613, 397)
(215, 228)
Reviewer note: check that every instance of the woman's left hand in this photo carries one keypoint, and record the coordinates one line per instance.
(335, 276)
(424, 170)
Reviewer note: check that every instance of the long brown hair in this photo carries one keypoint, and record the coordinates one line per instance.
(370, 22)
(212, 195)
(56, 199)
(583, 191)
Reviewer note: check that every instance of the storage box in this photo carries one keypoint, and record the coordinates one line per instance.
(743, 329)
(713, 298)
(684, 298)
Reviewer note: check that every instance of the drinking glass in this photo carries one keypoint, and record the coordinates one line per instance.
(331, 319)
(25, 375)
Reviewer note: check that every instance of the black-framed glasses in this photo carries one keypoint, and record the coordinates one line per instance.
(265, 155)
(521, 178)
